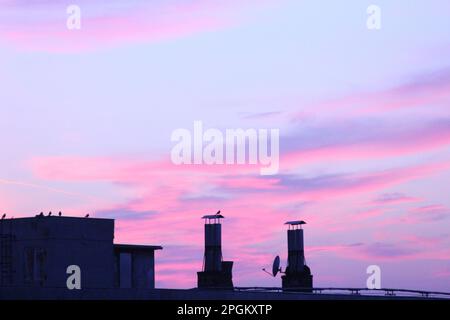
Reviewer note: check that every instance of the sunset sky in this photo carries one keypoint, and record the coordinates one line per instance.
(86, 118)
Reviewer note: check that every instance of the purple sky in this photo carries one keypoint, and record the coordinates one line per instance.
(86, 118)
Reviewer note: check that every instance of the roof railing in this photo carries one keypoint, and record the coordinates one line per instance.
(354, 291)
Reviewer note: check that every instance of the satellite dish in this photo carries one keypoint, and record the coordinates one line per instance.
(276, 266)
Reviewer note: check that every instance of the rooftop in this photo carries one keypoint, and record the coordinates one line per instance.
(136, 247)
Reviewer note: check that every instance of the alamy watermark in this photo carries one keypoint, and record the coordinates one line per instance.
(232, 147)
(374, 279)
(374, 18)
(74, 279)
(74, 17)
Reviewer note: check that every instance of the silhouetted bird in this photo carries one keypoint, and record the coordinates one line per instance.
(4, 216)
(49, 214)
(87, 216)
(218, 212)
(60, 213)
(41, 214)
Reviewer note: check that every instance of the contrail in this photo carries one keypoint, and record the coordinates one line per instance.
(36, 186)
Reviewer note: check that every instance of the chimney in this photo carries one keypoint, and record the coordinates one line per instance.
(216, 273)
(297, 275)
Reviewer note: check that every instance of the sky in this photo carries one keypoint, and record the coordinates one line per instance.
(86, 118)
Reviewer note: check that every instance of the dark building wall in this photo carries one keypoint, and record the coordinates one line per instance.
(144, 270)
(43, 248)
(134, 266)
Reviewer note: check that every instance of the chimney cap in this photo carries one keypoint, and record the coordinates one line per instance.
(213, 216)
(296, 223)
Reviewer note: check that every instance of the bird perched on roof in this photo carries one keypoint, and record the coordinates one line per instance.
(218, 212)
(60, 214)
(87, 216)
(4, 216)
(49, 214)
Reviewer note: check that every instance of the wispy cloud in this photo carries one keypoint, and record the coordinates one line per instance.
(43, 187)
(384, 251)
(125, 214)
(434, 212)
(426, 91)
(41, 25)
(362, 139)
(394, 198)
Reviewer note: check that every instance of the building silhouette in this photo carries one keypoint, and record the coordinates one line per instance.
(36, 252)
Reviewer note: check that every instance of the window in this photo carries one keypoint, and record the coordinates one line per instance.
(34, 263)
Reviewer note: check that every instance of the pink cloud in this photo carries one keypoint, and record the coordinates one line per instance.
(383, 251)
(386, 145)
(176, 274)
(432, 89)
(369, 213)
(443, 273)
(173, 183)
(159, 202)
(254, 221)
(107, 24)
(435, 212)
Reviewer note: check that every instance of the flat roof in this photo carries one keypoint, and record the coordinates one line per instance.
(136, 247)
(53, 216)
